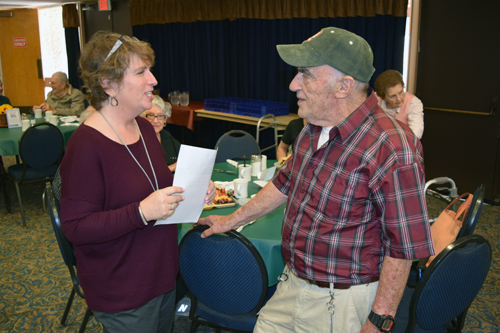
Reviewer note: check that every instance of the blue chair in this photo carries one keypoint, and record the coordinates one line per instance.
(68, 255)
(468, 226)
(441, 298)
(226, 280)
(40, 148)
(234, 145)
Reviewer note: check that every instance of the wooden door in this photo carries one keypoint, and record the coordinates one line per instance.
(19, 64)
(458, 83)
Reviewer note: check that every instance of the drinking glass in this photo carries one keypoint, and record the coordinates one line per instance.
(174, 97)
(184, 98)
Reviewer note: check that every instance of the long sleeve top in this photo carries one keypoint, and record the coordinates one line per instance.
(122, 263)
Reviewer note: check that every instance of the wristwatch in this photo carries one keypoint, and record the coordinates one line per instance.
(384, 323)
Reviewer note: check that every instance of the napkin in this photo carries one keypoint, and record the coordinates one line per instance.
(241, 228)
(69, 119)
(233, 163)
(261, 183)
(70, 124)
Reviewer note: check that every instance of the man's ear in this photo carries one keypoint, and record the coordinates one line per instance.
(347, 84)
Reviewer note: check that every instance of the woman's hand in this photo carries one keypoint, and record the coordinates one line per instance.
(209, 198)
(161, 204)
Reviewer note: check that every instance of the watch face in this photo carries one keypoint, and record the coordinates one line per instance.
(387, 324)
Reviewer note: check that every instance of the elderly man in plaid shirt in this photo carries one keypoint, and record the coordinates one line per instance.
(354, 188)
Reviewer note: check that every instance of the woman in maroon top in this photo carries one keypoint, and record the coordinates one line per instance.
(115, 182)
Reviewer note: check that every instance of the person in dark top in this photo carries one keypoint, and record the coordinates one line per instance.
(292, 131)
(3, 99)
(158, 116)
(115, 184)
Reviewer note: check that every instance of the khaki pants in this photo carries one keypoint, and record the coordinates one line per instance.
(298, 306)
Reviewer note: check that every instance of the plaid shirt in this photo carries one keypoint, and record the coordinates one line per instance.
(355, 200)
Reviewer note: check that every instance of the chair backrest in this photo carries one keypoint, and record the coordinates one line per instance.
(65, 246)
(235, 144)
(450, 283)
(473, 214)
(224, 272)
(41, 145)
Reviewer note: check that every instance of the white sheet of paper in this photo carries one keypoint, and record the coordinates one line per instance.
(192, 173)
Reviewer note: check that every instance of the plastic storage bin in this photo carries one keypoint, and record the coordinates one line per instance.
(246, 106)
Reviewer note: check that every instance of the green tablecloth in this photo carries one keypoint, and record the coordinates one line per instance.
(264, 233)
(10, 137)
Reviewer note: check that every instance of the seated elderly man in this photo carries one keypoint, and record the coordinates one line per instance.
(63, 99)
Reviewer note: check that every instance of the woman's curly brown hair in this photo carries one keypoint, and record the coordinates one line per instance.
(386, 80)
(95, 68)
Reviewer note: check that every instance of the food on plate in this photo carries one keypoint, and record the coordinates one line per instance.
(222, 196)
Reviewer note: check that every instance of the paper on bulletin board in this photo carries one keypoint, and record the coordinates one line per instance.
(193, 173)
(13, 117)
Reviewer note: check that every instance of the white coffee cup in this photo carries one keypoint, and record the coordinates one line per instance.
(54, 120)
(25, 124)
(240, 188)
(263, 162)
(48, 115)
(38, 113)
(245, 171)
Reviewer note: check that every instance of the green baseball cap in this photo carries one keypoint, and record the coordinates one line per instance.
(335, 47)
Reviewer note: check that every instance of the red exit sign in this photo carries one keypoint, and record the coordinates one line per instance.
(19, 41)
(104, 4)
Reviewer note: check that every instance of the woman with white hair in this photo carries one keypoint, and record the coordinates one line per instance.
(158, 116)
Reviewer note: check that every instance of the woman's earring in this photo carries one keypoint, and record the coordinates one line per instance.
(113, 98)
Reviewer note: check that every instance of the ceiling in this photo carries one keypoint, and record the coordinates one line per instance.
(12, 4)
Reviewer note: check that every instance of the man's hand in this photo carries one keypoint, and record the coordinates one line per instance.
(368, 327)
(267, 200)
(218, 224)
(45, 107)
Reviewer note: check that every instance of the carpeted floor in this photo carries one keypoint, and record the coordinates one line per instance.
(35, 283)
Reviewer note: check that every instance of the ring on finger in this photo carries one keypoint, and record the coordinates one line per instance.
(173, 206)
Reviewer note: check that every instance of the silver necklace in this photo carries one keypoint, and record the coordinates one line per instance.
(136, 161)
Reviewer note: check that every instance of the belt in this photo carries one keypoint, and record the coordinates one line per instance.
(323, 284)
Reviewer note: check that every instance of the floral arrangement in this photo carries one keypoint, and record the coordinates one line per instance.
(4, 107)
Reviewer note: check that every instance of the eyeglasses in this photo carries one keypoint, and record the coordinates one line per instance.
(152, 117)
(119, 42)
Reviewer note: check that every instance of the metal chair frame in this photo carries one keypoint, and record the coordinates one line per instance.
(68, 255)
(30, 162)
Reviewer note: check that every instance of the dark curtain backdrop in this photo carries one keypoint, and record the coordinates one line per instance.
(239, 59)
(71, 22)
(73, 51)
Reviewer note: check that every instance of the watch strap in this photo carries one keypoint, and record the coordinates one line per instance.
(384, 323)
